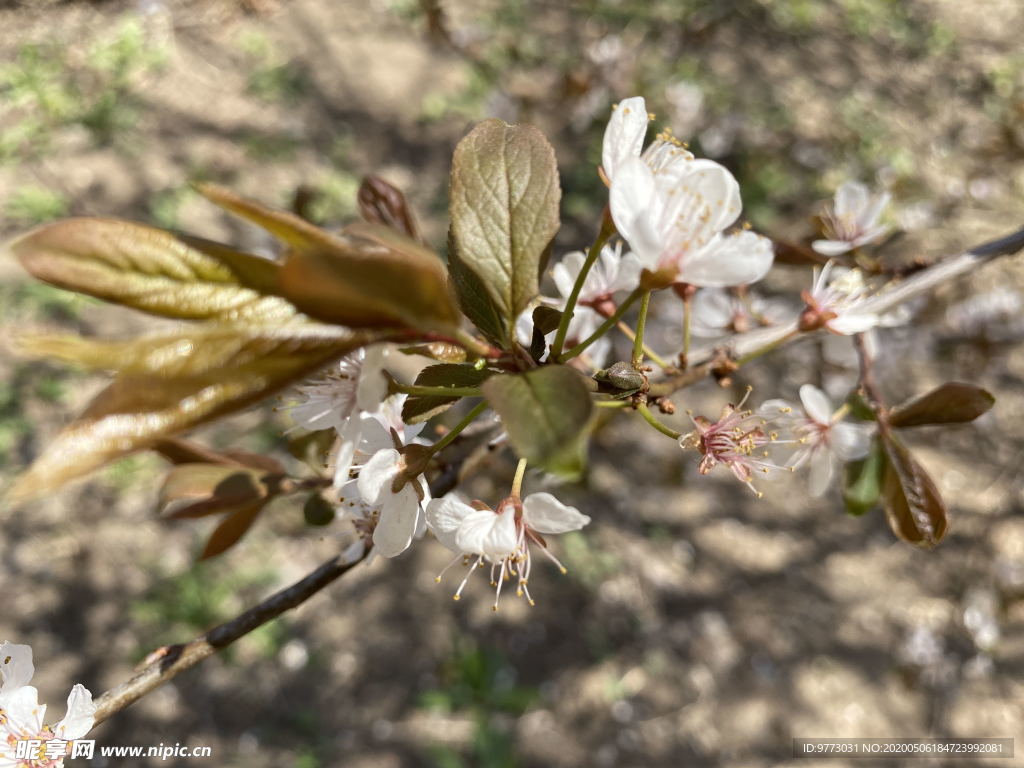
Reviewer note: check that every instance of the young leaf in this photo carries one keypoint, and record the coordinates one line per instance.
(383, 203)
(197, 490)
(234, 526)
(545, 320)
(912, 503)
(546, 412)
(152, 270)
(369, 276)
(179, 451)
(441, 351)
(954, 402)
(136, 410)
(418, 408)
(863, 483)
(193, 351)
(504, 211)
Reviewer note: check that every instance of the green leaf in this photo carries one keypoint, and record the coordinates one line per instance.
(546, 412)
(141, 408)
(863, 482)
(474, 300)
(951, 403)
(152, 270)
(916, 511)
(368, 276)
(504, 211)
(418, 408)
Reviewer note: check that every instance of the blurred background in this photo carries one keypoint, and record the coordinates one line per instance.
(697, 626)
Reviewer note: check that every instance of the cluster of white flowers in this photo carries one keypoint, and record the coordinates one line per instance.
(675, 218)
(22, 716)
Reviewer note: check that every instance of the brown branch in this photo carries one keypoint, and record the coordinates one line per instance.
(175, 659)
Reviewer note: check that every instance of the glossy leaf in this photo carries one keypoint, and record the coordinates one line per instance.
(504, 211)
(152, 270)
(862, 488)
(419, 408)
(916, 511)
(195, 350)
(369, 276)
(138, 409)
(546, 412)
(545, 320)
(951, 403)
(179, 451)
(437, 350)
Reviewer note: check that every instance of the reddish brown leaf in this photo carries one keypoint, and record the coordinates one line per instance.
(916, 511)
(231, 529)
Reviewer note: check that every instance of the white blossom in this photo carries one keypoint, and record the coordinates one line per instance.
(501, 537)
(22, 716)
(716, 312)
(825, 442)
(624, 140)
(339, 399)
(838, 301)
(853, 220)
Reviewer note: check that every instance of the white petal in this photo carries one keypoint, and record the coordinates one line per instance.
(816, 404)
(24, 712)
(849, 323)
(716, 188)
(627, 276)
(375, 435)
(728, 260)
(546, 514)
(524, 326)
(373, 386)
(399, 518)
(377, 474)
(624, 136)
(851, 199)
(634, 206)
(15, 666)
(831, 247)
(487, 533)
(354, 552)
(821, 472)
(868, 218)
(850, 441)
(776, 409)
(566, 272)
(445, 516)
(350, 435)
(80, 715)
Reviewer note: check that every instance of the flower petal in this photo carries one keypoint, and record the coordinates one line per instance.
(546, 514)
(566, 272)
(377, 474)
(821, 473)
(624, 136)
(816, 404)
(728, 260)
(80, 715)
(15, 666)
(715, 188)
(634, 206)
(850, 323)
(373, 386)
(23, 711)
(851, 199)
(399, 519)
(445, 516)
(831, 247)
(349, 436)
(487, 533)
(850, 441)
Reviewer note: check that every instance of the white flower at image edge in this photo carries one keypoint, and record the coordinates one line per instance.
(853, 220)
(825, 441)
(21, 715)
(503, 536)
